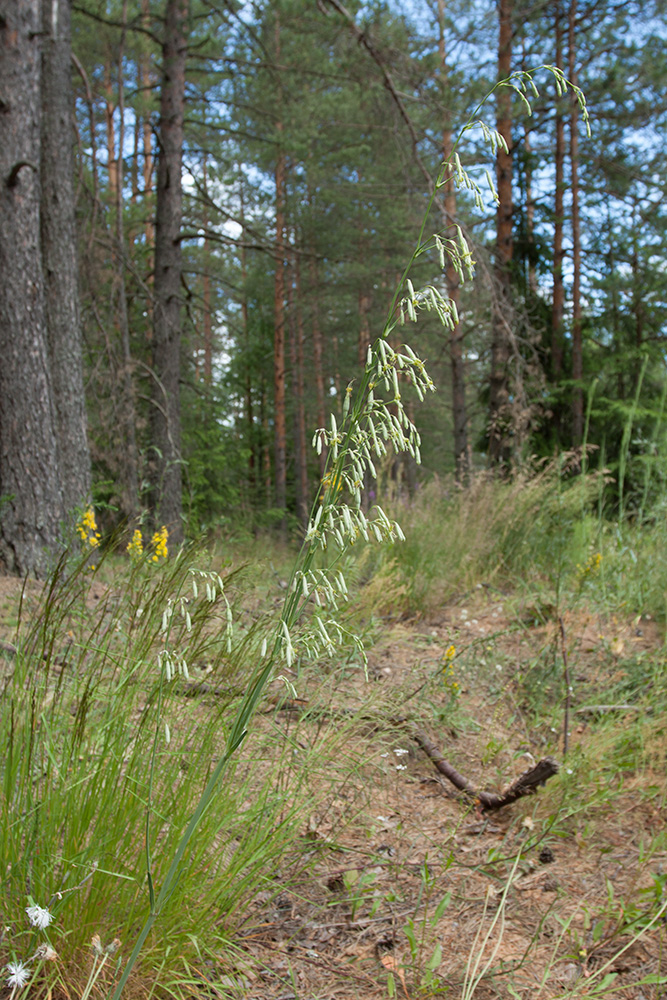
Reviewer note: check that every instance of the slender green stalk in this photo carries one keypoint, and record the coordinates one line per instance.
(368, 422)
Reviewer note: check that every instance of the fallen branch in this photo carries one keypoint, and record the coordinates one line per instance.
(526, 784)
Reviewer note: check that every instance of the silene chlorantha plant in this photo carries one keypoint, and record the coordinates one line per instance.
(374, 421)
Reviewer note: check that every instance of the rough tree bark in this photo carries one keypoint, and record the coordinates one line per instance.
(59, 255)
(459, 412)
(31, 506)
(499, 393)
(166, 412)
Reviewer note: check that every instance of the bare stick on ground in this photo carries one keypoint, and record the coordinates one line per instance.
(526, 784)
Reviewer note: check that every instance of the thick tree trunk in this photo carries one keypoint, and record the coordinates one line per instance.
(166, 414)
(59, 255)
(31, 505)
(459, 412)
(499, 393)
(558, 297)
(577, 349)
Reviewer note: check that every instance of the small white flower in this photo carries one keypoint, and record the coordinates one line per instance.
(19, 974)
(401, 767)
(38, 916)
(399, 753)
(568, 770)
(384, 754)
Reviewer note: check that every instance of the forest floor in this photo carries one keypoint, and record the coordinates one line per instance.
(404, 886)
(395, 838)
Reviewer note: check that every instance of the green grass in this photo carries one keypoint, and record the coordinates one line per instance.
(103, 755)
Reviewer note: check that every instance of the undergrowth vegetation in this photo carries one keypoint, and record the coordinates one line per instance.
(193, 749)
(105, 752)
(104, 757)
(544, 529)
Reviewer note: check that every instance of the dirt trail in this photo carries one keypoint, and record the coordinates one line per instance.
(410, 877)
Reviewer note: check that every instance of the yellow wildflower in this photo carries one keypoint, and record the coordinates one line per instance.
(159, 543)
(590, 568)
(87, 529)
(450, 683)
(135, 548)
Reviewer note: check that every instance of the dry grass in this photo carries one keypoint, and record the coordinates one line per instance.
(392, 876)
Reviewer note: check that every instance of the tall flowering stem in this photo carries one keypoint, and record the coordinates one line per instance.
(374, 418)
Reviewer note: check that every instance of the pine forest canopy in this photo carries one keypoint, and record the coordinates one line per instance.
(206, 208)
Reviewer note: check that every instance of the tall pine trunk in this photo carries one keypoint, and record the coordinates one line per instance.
(145, 83)
(109, 109)
(297, 359)
(207, 301)
(31, 506)
(558, 296)
(166, 411)
(459, 412)
(577, 348)
(247, 402)
(499, 390)
(59, 255)
(279, 307)
(128, 456)
(279, 340)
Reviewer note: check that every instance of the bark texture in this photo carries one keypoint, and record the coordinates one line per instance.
(30, 495)
(499, 390)
(168, 272)
(59, 254)
(459, 411)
